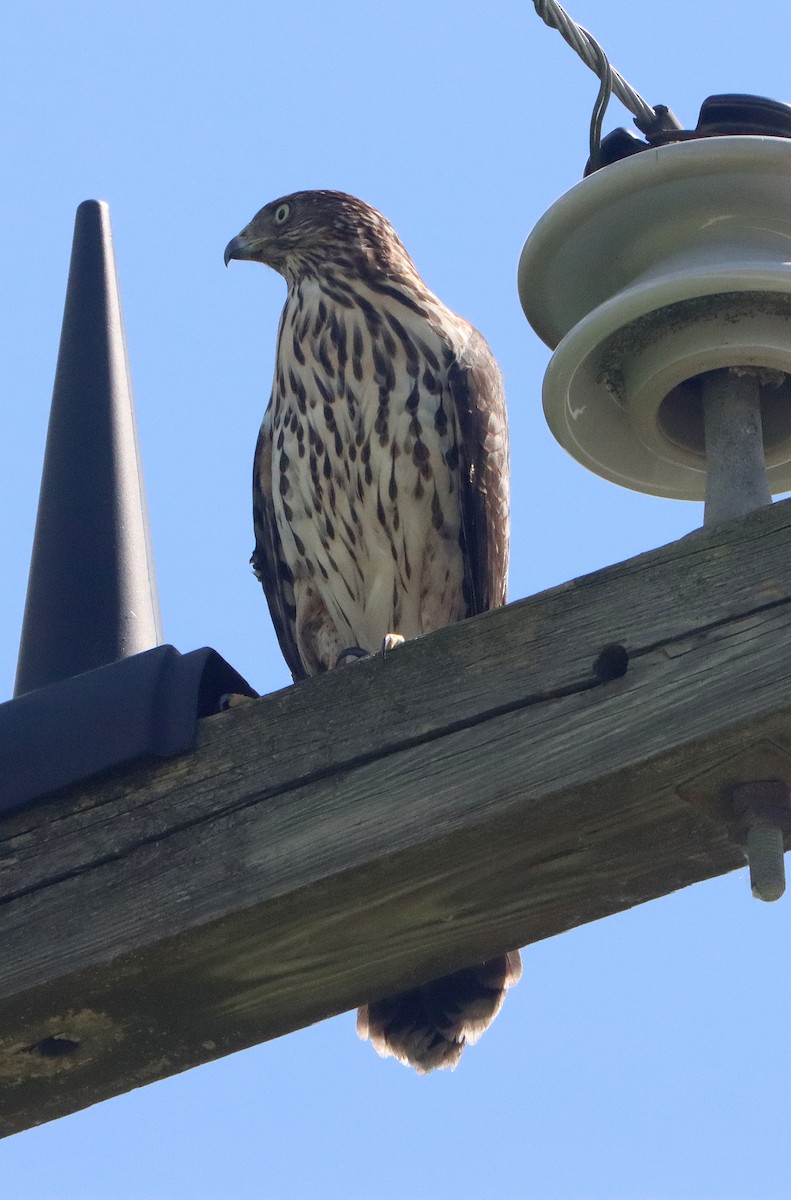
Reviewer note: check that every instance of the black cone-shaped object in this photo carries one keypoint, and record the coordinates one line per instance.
(92, 595)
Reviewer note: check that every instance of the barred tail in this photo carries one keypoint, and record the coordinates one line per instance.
(429, 1026)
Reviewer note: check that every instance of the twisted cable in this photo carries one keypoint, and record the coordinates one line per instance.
(594, 57)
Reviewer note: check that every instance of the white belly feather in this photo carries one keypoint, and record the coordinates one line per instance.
(368, 522)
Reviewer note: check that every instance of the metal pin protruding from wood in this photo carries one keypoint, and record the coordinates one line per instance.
(767, 866)
(736, 479)
(763, 808)
(736, 484)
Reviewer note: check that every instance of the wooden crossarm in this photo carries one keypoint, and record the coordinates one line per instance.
(485, 787)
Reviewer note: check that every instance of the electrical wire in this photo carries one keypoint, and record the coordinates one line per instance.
(592, 54)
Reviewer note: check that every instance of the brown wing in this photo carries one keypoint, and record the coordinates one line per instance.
(268, 561)
(479, 396)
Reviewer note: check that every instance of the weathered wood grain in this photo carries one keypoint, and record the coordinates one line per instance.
(481, 788)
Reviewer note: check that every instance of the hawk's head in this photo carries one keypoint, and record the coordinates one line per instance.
(308, 233)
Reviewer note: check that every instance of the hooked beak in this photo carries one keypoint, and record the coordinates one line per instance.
(239, 247)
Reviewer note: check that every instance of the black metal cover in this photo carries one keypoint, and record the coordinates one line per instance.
(147, 705)
(92, 595)
(720, 116)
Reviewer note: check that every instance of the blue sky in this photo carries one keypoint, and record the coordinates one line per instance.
(642, 1056)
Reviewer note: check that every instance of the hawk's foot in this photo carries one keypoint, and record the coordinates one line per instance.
(350, 655)
(390, 641)
(233, 700)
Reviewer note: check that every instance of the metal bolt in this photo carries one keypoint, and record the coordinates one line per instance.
(763, 807)
(736, 479)
(765, 856)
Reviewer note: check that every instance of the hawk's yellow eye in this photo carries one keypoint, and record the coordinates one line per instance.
(282, 213)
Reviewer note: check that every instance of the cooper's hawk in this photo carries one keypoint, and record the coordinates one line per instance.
(380, 497)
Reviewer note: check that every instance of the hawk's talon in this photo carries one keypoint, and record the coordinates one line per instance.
(390, 641)
(352, 653)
